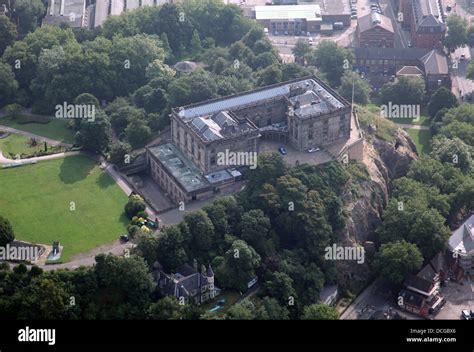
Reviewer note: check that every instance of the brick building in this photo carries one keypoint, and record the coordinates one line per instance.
(426, 21)
(375, 30)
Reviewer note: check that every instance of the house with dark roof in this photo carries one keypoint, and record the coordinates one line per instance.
(187, 284)
(461, 245)
(375, 31)
(436, 70)
(421, 292)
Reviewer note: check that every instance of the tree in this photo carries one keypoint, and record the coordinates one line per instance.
(6, 232)
(8, 83)
(255, 230)
(413, 222)
(270, 75)
(453, 151)
(169, 251)
(280, 286)
(134, 205)
(238, 266)
(137, 133)
(201, 234)
(95, 135)
(320, 312)
(192, 88)
(13, 110)
(244, 310)
(441, 98)
(456, 129)
(352, 82)
(122, 114)
(395, 260)
(445, 177)
(120, 153)
(301, 49)
(129, 280)
(406, 90)
(7, 33)
(195, 46)
(406, 189)
(470, 36)
(457, 32)
(166, 308)
(129, 58)
(27, 13)
(270, 309)
(332, 60)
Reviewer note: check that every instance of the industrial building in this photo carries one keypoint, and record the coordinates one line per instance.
(305, 18)
(90, 13)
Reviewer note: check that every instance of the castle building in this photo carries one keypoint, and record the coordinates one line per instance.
(305, 113)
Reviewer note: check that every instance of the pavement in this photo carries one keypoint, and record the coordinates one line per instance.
(458, 297)
(414, 127)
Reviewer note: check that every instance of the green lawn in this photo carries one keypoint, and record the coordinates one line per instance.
(46, 127)
(423, 121)
(17, 145)
(37, 200)
(422, 139)
(231, 297)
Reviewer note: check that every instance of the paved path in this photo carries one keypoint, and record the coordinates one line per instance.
(4, 160)
(32, 135)
(414, 127)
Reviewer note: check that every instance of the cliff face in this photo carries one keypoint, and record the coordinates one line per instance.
(385, 161)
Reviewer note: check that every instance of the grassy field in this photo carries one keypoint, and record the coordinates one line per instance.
(37, 200)
(46, 127)
(17, 145)
(422, 139)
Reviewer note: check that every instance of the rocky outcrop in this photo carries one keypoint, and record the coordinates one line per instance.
(366, 199)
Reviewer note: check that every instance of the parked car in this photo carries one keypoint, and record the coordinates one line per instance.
(353, 17)
(124, 238)
(465, 314)
(410, 44)
(282, 150)
(462, 57)
(313, 150)
(448, 8)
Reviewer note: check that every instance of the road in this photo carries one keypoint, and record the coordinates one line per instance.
(461, 84)
(402, 37)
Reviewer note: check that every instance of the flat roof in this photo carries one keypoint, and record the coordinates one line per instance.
(254, 96)
(178, 165)
(286, 12)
